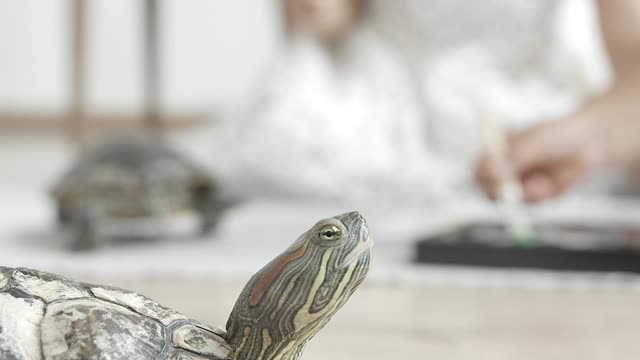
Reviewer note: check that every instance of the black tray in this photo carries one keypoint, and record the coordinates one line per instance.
(556, 247)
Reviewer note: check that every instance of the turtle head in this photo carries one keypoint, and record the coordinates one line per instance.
(297, 293)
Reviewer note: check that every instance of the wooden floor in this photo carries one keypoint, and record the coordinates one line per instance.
(441, 322)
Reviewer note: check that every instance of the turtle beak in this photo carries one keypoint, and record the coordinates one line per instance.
(357, 252)
(356, 223)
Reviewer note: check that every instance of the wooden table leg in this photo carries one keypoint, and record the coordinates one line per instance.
(77, 114)
(152, 116)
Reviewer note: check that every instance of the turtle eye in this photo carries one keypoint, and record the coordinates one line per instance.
(330, 233)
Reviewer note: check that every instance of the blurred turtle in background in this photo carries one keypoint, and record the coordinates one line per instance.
(122, 186)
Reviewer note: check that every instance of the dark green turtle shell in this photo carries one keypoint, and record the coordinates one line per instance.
(131, 176)
(140, 156)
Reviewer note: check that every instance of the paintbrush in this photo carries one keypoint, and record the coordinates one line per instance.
(510, 198)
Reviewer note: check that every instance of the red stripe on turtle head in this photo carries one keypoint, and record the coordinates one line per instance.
(269, 276)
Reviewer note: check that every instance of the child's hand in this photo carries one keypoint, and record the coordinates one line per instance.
(550, 158)
(547, 159)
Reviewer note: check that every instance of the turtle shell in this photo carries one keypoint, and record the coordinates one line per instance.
(132, 171)
(44, 316)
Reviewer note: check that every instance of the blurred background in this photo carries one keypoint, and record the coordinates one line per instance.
(174, 147)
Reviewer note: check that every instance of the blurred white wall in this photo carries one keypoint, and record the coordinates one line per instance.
(33, 54)
(212, 49)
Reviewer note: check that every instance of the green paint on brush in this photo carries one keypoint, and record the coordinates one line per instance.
(524, 236)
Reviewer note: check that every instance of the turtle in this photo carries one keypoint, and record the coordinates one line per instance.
(48, 317)
(127, 184)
